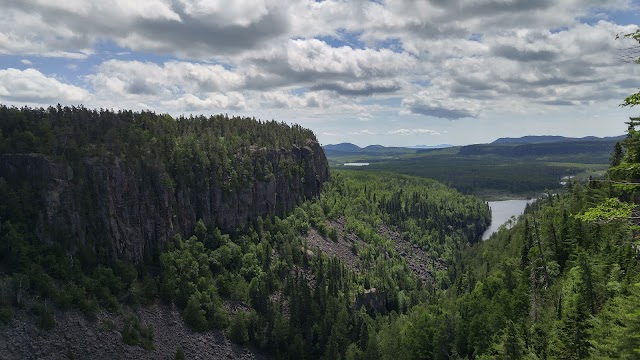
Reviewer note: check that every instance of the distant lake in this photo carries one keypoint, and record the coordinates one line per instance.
(502, 211)
(356, 164)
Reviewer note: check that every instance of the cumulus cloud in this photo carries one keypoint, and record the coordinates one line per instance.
(31, 86)
(289, 100)
(306, 61)
(137, 77)
(200, 29)
(360, 88)
(441, 105)
(212, 103)
(363, 132)
(333, 59)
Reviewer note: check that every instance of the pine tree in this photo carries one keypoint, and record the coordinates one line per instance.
(616, 330)
(617, 155)
(194, 316)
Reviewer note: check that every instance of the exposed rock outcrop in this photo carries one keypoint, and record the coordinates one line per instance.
(78, 338)
(129, 208)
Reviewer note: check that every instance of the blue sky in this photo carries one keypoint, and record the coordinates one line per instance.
(399, 72)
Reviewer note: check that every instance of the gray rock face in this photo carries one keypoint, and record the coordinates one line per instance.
(129, 208)
(76, 337)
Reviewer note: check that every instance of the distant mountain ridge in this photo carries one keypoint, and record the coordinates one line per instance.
(343, 147)
(349, 147)
(541, 139)
(597, 149)
(530, 145)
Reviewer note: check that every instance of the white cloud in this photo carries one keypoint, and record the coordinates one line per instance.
(135, 77)
(200, 29)
(286, 99)
(377, 61)
(226, 13)
(309, 61)
(440, 105)
(363, 132)
(31, 86)
(26, 33)
(211, 104)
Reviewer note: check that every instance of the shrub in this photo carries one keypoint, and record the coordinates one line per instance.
(179, 354)
(44, 316)
(136, 334)
(194, 316)
(333, 234)
(130, 335)
(5, 315)
(238, 332)
(89, 308)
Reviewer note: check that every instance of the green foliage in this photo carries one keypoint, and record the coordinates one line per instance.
(179, 354)
(615, 332)
(135, 333)
(559, 284)
(632, 100)
(617, 154)
(71, 132)
(45, 318)
(496, 170)
(6, 314)
(186, 279)
(610, 210)
(238, 331)
(194, 315)
(551, 287)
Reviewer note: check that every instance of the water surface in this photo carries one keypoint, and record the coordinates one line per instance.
(502, 211)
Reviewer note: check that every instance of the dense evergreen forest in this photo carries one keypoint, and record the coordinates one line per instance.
(411, 281)
(266, 284)
(219, 144)
(562, 283)
(491, 171)
(475, 175)
(121, 183)
(74, 132)
(596, 149)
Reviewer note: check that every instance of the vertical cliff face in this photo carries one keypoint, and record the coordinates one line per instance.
(129, 208)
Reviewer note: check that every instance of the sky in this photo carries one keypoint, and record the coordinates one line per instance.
(390, 72)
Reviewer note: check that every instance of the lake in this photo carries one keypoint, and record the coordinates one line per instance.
(502, 211)
(356, 164)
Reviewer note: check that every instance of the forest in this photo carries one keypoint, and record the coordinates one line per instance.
(560, 283)
(320, 180)
(377, 265)
(412, 282)
(290, 292)
(491, 171)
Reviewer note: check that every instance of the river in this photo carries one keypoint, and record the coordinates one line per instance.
(502, 211)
